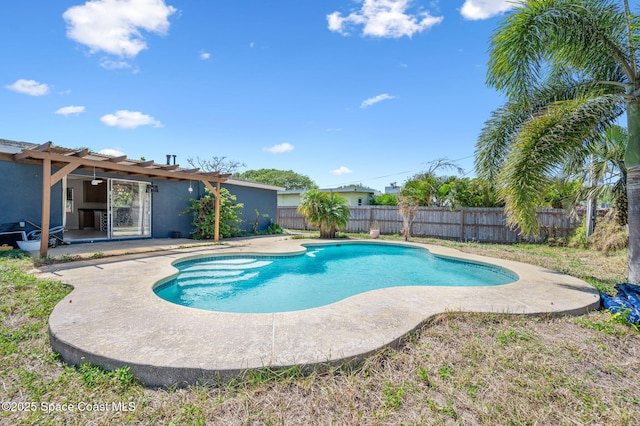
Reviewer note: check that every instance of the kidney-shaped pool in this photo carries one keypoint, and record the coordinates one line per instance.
(324, 274)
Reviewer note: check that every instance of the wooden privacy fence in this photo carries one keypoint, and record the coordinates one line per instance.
(468, 224)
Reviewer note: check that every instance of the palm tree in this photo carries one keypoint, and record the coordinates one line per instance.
(326, 211)
(605, 168)
(569, 70)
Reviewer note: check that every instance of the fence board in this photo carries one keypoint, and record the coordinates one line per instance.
(468, 224)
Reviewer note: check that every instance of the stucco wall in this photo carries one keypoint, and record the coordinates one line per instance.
(21, 194)
(168, 206)
(353, 198)
(265, 201)
(289, 200)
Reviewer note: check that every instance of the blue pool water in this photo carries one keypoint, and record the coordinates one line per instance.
(323, 275)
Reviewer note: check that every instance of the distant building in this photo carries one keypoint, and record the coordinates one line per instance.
(357, 196)
(393, 188)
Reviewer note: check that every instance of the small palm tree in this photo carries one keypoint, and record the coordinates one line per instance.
(328, 212)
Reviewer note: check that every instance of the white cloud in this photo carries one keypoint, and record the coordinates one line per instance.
(483, 9)
(341, 171)
(205, 55)
(111, 151)
(71, 109)
(129, 120)
(280, 148)
(29, 87)
(109, 64)
(114, 26)
(371, 101)
(383, 18)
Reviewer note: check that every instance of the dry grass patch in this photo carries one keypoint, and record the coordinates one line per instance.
(600, 269)
(472, 369)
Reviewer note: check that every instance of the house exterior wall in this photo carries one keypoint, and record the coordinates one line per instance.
(290, 199)
(262, 200)
(355, 197)
(21, 194)
(168, 209)
(21, 199)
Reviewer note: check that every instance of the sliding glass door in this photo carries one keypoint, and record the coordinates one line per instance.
(129, 209)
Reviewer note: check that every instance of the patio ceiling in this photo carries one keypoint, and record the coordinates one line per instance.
(68, 160)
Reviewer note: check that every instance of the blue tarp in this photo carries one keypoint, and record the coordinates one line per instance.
(628, 298)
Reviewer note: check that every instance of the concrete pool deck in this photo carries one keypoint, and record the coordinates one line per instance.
(113, 318)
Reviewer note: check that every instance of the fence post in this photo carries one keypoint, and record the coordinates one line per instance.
(370, 216)
(462, 225)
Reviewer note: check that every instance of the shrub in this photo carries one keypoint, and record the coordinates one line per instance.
(579, 237)
(609, 236)
(204, 214)
(274, 228)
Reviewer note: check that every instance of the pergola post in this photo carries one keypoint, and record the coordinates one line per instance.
(216, 229)
(46, 207)
(48, 181)
(216, 193)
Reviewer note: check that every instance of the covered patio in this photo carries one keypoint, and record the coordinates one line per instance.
(58, 162)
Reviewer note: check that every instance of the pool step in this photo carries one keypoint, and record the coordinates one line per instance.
(218, 272)
(199, 281)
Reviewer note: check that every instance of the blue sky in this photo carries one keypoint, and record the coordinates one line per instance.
(342, 91)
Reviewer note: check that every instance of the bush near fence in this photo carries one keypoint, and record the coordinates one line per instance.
(468, 224)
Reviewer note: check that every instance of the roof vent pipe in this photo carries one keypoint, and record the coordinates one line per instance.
(168, 159)
(174, 159)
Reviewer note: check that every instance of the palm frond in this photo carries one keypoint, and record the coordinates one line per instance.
(544, 36)
(495, 140)
(502, 128)
(543, 144)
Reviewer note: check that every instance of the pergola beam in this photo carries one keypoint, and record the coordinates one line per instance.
(21, 155)
(63, 172)
(126, 168)
(168, 166)
(81, 153)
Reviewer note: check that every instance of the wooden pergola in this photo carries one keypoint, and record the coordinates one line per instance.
(68, 160)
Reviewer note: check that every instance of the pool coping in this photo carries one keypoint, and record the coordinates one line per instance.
(113, 318)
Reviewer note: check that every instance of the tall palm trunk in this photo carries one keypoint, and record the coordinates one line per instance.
(632, 161)
(633, 215)
(592, 204)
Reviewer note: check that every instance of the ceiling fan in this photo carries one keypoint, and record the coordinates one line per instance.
(95, 181)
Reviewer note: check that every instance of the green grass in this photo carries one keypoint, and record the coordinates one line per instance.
(456, 369)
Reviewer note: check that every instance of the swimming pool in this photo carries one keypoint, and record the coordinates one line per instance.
(324, 274)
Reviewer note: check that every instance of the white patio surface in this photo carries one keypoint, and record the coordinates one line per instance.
(113, 318)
